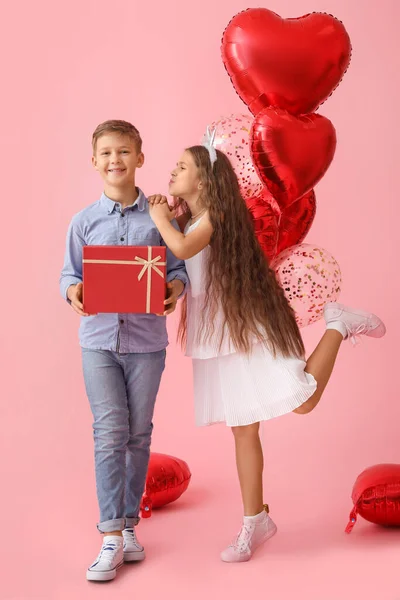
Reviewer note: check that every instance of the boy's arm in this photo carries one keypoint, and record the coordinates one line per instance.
(71, 274)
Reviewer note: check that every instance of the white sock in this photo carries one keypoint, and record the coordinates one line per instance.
(256, 518)
(338, 326)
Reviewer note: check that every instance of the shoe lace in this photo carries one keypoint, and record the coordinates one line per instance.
(108, 551)
(130, 536)
(355, 334)
(242, 542)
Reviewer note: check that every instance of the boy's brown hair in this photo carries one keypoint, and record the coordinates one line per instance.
(117, 126)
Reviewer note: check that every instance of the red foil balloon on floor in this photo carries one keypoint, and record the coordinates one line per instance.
(291, 63)
(265, 218)
(376, 496)
(167, 478)
(291, 154)
(296, 221)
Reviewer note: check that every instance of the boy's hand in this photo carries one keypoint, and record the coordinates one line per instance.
(157, 199)
(174, 290)
(74, 294)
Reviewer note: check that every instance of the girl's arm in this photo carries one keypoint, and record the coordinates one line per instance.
(183, 247)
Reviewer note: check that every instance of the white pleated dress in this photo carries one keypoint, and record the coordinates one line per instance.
(231, 387)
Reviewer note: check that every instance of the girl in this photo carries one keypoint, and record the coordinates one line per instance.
(247, 351)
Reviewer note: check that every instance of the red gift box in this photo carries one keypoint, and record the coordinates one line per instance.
(124, 279)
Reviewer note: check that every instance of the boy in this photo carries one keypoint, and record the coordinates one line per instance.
(123, 354)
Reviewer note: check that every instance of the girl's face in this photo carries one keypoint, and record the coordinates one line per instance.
(185, 180)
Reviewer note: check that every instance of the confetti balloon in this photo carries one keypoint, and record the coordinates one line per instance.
(232, 138)
(310, 277)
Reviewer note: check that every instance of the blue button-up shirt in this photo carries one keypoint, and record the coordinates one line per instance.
(105, 223)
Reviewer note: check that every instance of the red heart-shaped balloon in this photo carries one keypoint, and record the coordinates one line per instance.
(296, 221)
(265, 215)
(291, 154)
(294, 64)
(167, 478)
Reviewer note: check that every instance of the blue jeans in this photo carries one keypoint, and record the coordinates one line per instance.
(122, 390)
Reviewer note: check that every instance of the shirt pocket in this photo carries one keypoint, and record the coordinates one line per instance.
(145, 236)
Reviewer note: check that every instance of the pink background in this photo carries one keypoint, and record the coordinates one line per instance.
(66, 67)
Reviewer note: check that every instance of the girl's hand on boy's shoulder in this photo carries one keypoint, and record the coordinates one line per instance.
(161, 210)
(157, 199)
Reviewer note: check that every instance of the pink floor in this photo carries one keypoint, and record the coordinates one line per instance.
(310, 557)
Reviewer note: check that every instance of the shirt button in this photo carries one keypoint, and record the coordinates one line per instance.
(122, 321)
(122, 239)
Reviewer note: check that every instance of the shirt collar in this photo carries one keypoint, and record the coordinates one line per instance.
(111, 205)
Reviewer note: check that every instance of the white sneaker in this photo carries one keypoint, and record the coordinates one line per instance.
(255, 531)
(133, 550)
(111, 557)
(356, 322)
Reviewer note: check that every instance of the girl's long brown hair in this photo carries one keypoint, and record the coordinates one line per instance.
(239, 278)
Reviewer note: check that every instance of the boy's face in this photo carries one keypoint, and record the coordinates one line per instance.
(116, 159)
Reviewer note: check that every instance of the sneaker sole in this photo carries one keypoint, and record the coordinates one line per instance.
(269, 535)
(102, 575)
(380, 329)
(134, 556)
